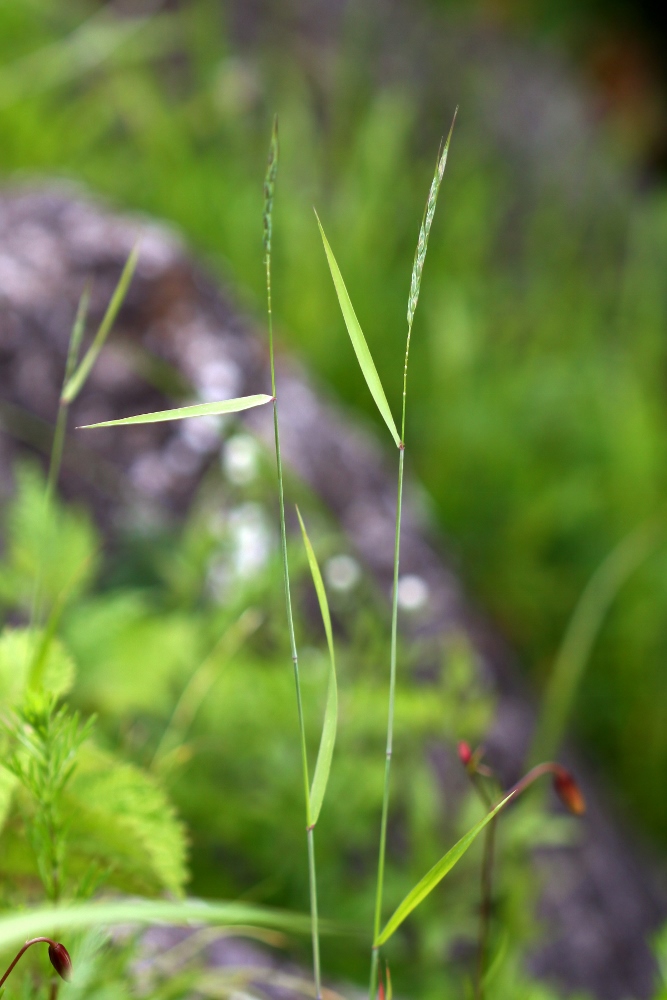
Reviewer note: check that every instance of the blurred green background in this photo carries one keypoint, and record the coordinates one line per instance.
(537, 419)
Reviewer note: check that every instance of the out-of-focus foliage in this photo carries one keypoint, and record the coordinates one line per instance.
(152, 629)
(72, 814)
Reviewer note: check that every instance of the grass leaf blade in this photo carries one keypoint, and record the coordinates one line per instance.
(16, 926)
(328, 738)
(437, 873)
(359, 341)
(77, 380)
(183, 412)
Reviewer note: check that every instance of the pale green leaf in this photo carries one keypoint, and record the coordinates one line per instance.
(437, 873)
(359, 341)
(77, 380)
(58, 543)
(15, 927)
(17, 648)
(8, 782)
(183, 412)
(118, 816)
(328, 738)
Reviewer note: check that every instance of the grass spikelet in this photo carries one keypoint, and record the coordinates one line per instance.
(425, 229)
(269, 187)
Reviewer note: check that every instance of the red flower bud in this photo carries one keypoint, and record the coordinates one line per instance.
(465, 753)
(568, 792)
(61, 961)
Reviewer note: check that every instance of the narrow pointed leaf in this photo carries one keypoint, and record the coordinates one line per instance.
(183, 412)
(437, 873)
(328, 738)
(359, 341)
(77, 380)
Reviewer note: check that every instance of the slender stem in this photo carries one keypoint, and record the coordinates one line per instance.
(390, 724)
(485, 905)
(312, 875)
(55, 463)
(313, 909)
(22, 952)
(486, 886)
(377, 921)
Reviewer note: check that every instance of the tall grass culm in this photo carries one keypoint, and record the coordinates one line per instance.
(314, 792)
(375, 386)
(269, 189)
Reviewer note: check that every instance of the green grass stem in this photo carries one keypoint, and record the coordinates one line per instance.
(58, 445)
(415, 284)
(269, 189)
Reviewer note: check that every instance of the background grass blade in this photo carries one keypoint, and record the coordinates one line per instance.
(437, 873)
(76, 382)
(328, 738)
(582, 631)
(183, 412)
(16, 927)
(359, 341)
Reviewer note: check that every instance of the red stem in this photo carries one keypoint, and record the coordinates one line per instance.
(25, 947)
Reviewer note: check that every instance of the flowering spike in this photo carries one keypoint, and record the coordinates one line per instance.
(568, 791)
(60, 960)
(465, 753)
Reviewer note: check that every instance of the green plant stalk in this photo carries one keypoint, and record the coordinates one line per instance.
(413, 299)
(377, 921)
(486, 887)
(485, 905)
(312, 873)
(58, 443)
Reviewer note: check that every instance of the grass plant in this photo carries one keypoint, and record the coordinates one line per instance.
(375, 386)
(269, 191)
(313, 795)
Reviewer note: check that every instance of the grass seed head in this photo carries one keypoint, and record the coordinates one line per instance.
(269, 187)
